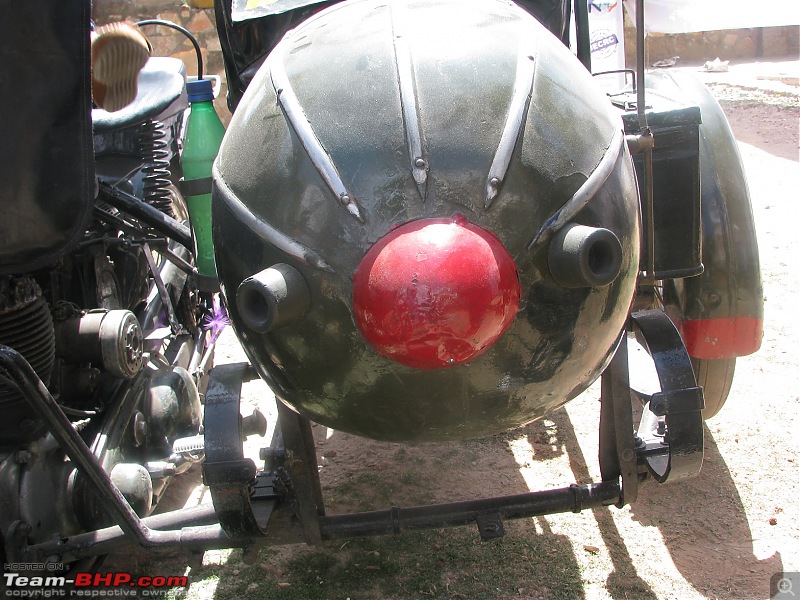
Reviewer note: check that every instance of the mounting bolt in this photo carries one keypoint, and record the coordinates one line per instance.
(274, 457)
(296, 466)
(139, 428)
(254, 424)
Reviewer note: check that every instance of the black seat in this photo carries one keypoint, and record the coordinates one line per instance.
(161, 89)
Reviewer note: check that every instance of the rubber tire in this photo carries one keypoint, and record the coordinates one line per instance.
(715, 377)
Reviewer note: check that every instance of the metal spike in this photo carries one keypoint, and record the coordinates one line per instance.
(408, 100)
(305, 133)
(520, 99)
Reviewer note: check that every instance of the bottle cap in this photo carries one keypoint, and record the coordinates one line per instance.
(200, 90)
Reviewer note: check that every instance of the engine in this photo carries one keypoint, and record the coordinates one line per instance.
(426, 220)
(93, 318)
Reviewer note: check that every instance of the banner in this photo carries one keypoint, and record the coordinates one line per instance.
(607, 42)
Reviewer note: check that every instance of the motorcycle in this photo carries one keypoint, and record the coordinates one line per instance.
(101, 307)
(425, 228)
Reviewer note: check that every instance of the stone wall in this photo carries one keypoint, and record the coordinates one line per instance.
(168, 42)
(755, 44)
(727, 44)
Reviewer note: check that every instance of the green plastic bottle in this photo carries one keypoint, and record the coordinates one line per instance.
(204, 132)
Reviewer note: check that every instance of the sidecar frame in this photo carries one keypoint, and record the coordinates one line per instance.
(282, 502)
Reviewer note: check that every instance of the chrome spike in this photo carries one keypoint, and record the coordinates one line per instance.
(408, 100)
(521, 96)
(584, 194)
(266, 231)
(305, 133)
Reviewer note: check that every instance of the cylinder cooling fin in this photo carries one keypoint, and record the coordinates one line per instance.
(26, 325)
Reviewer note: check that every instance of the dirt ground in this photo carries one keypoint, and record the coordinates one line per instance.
(723, 534)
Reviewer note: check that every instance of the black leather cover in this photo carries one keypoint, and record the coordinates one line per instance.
(46, 158)
(162, 82)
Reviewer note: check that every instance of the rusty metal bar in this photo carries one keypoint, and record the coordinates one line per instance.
(194, 528)
(574, 498)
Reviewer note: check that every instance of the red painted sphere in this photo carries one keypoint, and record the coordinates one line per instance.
(435, 293)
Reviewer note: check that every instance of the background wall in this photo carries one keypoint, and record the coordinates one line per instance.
(755, 43)
(168, 42)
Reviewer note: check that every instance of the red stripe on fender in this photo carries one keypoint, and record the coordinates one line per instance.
(722, 338)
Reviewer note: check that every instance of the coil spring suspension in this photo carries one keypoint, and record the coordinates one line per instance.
(154, 152)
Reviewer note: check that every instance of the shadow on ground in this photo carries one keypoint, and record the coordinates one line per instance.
(715, 555)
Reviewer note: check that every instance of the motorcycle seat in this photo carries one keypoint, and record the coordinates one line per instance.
(162, 90)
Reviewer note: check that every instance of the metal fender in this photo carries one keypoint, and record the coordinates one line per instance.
(721, 311)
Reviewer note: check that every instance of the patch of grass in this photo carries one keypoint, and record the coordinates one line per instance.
(410, 478)
(402, 454)
(369, 491)
(430, 564)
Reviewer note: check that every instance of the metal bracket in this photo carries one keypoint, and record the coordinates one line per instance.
(301, 464)
(617, 454)
(166, 300)
(677, 401)
(672, 446)
(669, 440)
(490, 526)
(231, 472)
(232, 479)
(244, 499)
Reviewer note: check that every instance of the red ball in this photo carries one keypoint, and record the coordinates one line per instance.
(435, 293)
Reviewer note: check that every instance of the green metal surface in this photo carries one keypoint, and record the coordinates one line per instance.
(272, 205)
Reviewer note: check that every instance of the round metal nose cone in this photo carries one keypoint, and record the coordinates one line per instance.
(435, 293)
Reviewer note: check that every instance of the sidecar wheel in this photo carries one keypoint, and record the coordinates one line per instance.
(716, 377)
